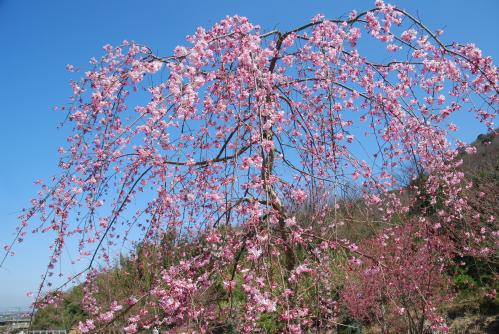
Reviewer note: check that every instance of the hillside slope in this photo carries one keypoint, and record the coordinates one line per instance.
(474, 281)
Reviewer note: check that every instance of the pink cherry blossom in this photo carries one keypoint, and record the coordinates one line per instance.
(239, 161)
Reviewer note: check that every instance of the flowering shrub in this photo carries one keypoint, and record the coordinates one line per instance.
(403, 283)
(219, 141)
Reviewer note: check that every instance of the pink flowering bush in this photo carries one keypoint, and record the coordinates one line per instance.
(400, 286)
(219, 143)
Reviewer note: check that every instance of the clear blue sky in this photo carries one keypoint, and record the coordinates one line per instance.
(38, 38)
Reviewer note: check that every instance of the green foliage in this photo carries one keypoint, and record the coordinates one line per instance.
(64, 316)
(269, 323)
(464, 281)
(424, 203)
(348, 325)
